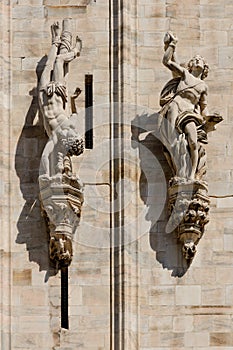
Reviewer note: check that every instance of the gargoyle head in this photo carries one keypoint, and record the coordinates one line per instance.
(61, 249)
(189, 250)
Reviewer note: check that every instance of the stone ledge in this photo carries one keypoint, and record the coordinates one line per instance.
(66, 3)
(62, 11)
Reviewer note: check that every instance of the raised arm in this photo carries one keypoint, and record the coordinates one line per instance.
(169, 58)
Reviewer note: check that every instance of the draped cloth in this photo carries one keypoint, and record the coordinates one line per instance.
(57, 88)
(168, 93)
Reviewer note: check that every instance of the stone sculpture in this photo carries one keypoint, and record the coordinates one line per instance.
(184, 124)
(61, 191)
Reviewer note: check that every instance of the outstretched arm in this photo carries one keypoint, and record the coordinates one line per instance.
(72, 98)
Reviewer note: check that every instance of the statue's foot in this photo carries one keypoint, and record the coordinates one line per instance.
(173, 38)
(66, 24)
(44, 177)
(169, 39)
(56, 31)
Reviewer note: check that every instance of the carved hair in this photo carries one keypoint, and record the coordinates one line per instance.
(205, 69)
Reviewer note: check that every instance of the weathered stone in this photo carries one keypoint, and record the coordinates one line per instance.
(212, 295)
(162, 296)
(123, 53)
(196, 339)
(183, 324)
(188, 295)
(221, 339)
(22, 277)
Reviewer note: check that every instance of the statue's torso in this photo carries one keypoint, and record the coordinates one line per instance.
(53, 112)
(190, 89)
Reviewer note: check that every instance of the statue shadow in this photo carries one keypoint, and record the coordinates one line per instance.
(31, 225)
(153, 184)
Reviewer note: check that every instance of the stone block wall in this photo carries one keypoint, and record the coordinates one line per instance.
(30, 287)
(188, 308)
(142, 296)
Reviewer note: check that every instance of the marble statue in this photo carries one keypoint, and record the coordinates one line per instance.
(61, 191)
(53, 94)
(184, 123)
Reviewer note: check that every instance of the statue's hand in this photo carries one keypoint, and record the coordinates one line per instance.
(214, 117)
(167, 38)
(173, 37)
(211, 121)
(170, 38)
(76, 93)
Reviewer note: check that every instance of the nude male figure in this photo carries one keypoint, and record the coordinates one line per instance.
(52, 89)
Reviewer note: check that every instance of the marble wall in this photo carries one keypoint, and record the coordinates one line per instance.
(129, 287)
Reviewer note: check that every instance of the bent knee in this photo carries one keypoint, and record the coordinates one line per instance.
(193, 144)
(45, 157)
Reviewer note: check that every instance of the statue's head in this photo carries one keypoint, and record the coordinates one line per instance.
(200, 61)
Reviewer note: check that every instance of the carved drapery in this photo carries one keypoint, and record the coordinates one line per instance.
(184, 124)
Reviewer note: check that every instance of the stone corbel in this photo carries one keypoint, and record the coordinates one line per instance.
(189, 208)
(61, 199)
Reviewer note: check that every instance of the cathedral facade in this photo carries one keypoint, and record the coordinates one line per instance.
(99, 263)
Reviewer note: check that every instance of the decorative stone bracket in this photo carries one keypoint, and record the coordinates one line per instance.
(61, 198)
(189, 208)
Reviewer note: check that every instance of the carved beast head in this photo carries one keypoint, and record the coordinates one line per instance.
(189, 250)
(61, 249)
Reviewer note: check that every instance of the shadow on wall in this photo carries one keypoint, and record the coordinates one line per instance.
(154, 178)
(31, 225)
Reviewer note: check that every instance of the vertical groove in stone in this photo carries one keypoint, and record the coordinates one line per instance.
(64, 298)
(5, 173)
(116, 169)
(89, 111)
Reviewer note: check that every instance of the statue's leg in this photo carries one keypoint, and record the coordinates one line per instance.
(66, 43)
(61, 59)
(49, 65)
(45, 161)
(66, 36)
(191, 132)
(171, 116)
(66, 53)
